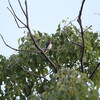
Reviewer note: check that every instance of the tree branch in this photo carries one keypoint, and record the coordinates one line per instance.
(15, 48)
(94, 71)
(22, 49)
(20, 65)
(87, 28)
(27, 19)
(26, 49)
(71, 39)
(32, 37)
(65, 31)
(71, 21)
(15, 19)
(82, 34)
(30, 73)
(21, 7)
(42, 52)
(34, 40)
(14, 14)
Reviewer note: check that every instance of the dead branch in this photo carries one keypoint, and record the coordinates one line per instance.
(14, 14)
(82, 34)
(29, 30)
(15, 19)
(94, 71)
(15, 48)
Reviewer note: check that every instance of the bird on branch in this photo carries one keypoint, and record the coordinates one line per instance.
(48, 46)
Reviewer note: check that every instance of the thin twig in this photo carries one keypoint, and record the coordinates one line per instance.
(14, 14)
(82, 34)
(21, 7)
(71, 21)
(15, 19)
(15, 48)
(87, 28)
(94, 71)
(71, 39)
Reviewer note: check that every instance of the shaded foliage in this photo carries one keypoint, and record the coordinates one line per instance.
(21, 73)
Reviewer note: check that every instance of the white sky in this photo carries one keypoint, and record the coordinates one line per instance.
(45, 15)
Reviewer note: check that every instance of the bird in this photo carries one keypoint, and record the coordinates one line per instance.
(48, 46)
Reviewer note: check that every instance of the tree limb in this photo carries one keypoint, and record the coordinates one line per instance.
(82, 34)
(15, 48)
(29, 30)
(34, 51)
(94, 71)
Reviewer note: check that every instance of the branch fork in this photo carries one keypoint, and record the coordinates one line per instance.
(26, 25)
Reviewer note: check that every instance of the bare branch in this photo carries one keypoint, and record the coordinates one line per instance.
(21, 7)
(14, 14)
(80, 12)
(87, 28)
(26, 7)
(94, 71)
(82, 34)
(27, 19)
(29, 30)
(15, 19)
(17, 49)
(71, 39)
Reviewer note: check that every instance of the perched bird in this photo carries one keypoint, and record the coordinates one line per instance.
(48, 46)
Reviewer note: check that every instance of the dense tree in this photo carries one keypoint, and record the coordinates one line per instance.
(70, 70)
(28, 74)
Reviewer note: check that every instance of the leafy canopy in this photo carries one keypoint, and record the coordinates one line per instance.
(21, 73)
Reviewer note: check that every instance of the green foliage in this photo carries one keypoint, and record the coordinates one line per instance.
(71, 85)
(20, 73)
